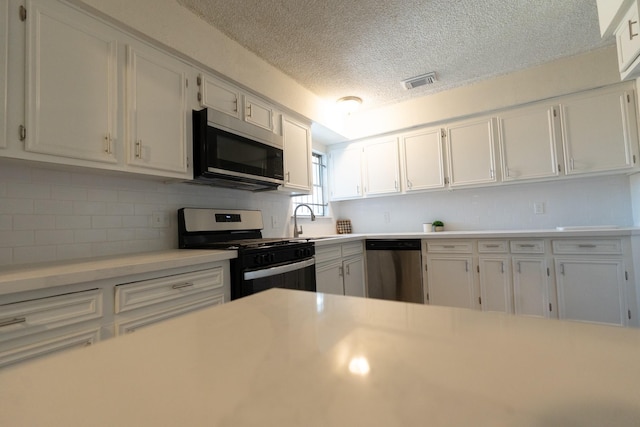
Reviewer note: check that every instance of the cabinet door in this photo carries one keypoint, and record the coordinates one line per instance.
(599, 131)
(353, 269)
(471, 153)
(495, 284)
(71, 83)
(591, 290)
(531, 286)
(627, 38)
(346, 173)
(4, 48)
(258, 112)
(528, 143)
(329, 279)
(422, 158)
(219, 95)
(157, 110)
(450, 281)
(381, 166)
(297, 155)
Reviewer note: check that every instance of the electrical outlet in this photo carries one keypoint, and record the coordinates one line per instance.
(160, 220)
(274, 221)
(387, 217)
(538, 208)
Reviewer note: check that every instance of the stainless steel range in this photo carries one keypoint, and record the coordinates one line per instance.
(262, 263)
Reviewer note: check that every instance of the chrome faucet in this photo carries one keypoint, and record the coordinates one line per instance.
(296, 232)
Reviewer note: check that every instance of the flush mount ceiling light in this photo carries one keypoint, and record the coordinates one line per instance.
(349, 104)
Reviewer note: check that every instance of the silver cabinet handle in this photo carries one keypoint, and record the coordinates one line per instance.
(249, 110)
(235, 103)
(182, 285)
(138, 151)
(527, 245)
(587, 246)
(502, 267)
(341, 271)
(409, 184)
(108, 144)
(562, 269)
(12, 321)
(466, 266)
(491, 246)
(631, 33)
(448, 246)
(288, 176)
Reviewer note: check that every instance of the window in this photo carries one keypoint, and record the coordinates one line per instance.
(316, 199)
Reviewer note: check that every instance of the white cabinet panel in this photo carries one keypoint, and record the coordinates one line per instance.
(495, 284)
(450, 281)
(599, 131)
(157, 110)
(471, 152)
(220, 96)
(71, 84)
(382, 167)
(258, 112)
(531, 286)
(345, 174)
(329, 278)
(297, 155)
(528, 143)
(422, 158)
(354, 276)
(591, 290)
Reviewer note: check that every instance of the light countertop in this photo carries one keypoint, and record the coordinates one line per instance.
(39, 276)
(292, 358)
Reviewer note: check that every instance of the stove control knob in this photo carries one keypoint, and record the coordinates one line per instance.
(259, 259)
(308, 252)
(272, 257)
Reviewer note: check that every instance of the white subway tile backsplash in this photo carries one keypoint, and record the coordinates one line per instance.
(59, 192)
(74, 251)
(89, 208)
(56, 177)
(137, 221)
(120, 208)
(21, 190)
(34, 254)
(102, 195)
(34, 222)
(6, 222)
(106, 221)
(121, 234)
(14, 239)
(53, 237)
(72, 222)
(16, 206)
(89, 236)
(6, 256)
(53, 207)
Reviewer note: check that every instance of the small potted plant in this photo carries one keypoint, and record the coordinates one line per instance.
(437, 226)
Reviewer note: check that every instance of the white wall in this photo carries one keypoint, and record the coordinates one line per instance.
(587, 201)
(48, 215)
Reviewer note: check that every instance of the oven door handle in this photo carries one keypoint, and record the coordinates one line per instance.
(273, 271)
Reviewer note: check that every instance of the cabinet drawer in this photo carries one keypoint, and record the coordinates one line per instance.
(464, 247)
(126, 326)
(39, 315)
(580, 247)
(527, 246)
(327, 253)
(493, 246)
(353, 248)
(135, 295)
(20, 351)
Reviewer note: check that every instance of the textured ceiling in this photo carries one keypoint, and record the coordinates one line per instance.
(367, 47)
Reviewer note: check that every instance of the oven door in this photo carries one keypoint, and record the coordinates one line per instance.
(299, 275)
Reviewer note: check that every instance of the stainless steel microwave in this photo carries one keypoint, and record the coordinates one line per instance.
(223, 158)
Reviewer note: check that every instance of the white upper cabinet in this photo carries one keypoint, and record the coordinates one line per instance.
(345, 173)
(220, 96)
(471, 152)
(258, 112)
(297, 155)
(628, 38)
(156, 110)
(528, 142)
(609, 14)
(422, 160)
(599, 131)
(71, 84)
(382, 173)
(4, 50)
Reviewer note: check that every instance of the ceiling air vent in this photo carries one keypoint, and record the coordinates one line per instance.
(414, 82)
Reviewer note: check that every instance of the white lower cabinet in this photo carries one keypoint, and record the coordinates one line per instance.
(449, 279)
(146, 302)
(495, 283)
(39, 327)
(592, 280)
(531, 286)
(340, 269)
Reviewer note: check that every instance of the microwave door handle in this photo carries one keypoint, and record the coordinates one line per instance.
(281, 269)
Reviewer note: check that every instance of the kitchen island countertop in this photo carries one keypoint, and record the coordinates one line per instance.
(292, 358)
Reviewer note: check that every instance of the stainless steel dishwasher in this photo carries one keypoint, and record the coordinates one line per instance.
(394, 270)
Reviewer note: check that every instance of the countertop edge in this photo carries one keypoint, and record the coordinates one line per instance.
(29, 278)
